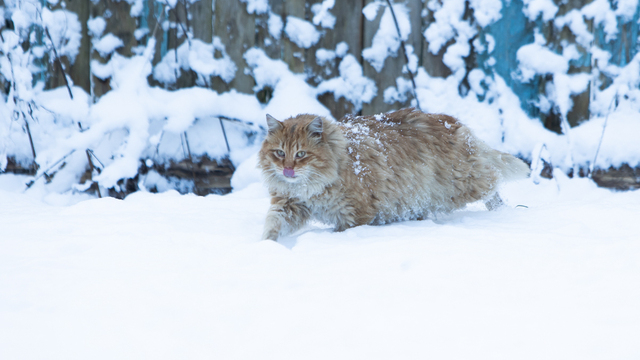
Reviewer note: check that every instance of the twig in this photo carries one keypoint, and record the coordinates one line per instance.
(57, 60)
(193, 173)
(224, 133)
(186, 34)
(158, 21)
(30, 183)
(26, 125)
(404, 52)
(95, 157)
(91, 167)
(604, 127)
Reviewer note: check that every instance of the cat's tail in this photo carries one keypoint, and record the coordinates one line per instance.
(510, 167)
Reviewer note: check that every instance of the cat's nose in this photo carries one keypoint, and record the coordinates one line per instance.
(288, 172)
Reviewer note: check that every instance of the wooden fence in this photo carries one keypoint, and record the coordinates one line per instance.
(240, 30)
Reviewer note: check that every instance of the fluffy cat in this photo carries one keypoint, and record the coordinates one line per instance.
(376, 169)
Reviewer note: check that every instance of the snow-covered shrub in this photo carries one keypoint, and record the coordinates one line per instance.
(498, 85)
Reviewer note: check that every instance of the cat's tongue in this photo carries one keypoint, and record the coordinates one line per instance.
(289, 172)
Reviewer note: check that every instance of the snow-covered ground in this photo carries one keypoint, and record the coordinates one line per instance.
(169, 276)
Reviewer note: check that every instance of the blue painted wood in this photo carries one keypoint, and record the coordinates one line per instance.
(512, 31)
(625, 45)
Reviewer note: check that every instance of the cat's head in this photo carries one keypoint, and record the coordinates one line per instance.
(299, 152)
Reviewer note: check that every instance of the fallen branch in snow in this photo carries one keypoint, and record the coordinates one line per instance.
(30, 183)
(404, 52)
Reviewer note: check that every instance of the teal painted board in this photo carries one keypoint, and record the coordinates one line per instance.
(512, 31)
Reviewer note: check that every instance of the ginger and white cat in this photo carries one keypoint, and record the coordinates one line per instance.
(376, 169)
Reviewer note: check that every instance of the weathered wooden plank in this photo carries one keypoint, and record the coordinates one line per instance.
(432, 63)
(510, 32)
(176, 36)
(292, 54)
(155, 17)
(80, 70)
(201, 15)
(387, 76)
(236, 29)
(120, 23)
(346, 29)
(622, 178)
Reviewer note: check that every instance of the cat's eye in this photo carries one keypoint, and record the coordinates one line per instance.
(280, 153)
(301, 154)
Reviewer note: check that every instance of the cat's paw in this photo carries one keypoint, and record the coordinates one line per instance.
(270, 235)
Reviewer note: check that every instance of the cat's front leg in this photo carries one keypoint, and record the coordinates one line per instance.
(284, 216)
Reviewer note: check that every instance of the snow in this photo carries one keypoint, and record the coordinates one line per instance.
(256, 6)
(301, 32)
(535, 58)
(199, 57)
(574, 19)
(601, 13)
(275, 25)
(351, 84)
(534, 8)
(324, 56)
(322, 16)
(386, 41)
(65, 31)
(626, 9)
(179, 276)
(107, 44)
(164, 276)
(370, 11)
(136, 123)
(292, 95)
(449, 24)
(486, 12)
(96, 26)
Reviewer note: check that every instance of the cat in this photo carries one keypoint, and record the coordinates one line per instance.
(402, 165)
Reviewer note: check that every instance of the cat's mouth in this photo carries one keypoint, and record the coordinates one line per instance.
(289, 172)
(290, 175)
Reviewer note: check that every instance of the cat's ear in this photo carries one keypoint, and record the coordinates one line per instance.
(315, 127)
(274, 124)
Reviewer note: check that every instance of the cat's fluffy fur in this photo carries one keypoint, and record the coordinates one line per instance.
(376, 169)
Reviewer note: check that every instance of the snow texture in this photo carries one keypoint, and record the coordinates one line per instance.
(351, 84)
(198, 56)
(96, 26)
(136, 123)
(166, 276)
(386, 41)
(292, 95)
(107, 44)
(301, 32)
(486, 12)
(256, 6)
(324, 56)
(449, 24)
(545, 8)
(65, 31)
(322, 16)
(275, 25)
